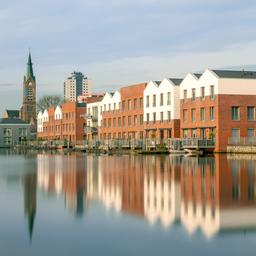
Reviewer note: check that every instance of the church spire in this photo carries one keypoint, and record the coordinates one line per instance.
(30, 73)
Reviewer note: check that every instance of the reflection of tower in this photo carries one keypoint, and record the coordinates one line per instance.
(28, 109)
(30, 187)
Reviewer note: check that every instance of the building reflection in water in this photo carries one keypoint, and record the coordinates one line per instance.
(29, 181)
(212, 194)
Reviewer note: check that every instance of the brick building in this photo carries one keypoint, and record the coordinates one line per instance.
(218, 104)
(123, 119)
(65, 122)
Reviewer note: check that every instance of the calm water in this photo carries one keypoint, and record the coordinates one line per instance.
(127, 205)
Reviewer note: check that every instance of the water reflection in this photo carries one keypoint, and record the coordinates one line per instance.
(213, 194)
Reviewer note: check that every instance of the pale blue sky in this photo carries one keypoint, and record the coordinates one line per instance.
(119, 42)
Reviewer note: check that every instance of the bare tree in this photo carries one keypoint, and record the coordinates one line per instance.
(48, 101)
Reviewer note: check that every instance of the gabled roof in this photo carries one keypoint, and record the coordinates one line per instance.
(176, 81)
(235, 74)
(12, 113)
(158, 82)
(12, 121)
(198, 75)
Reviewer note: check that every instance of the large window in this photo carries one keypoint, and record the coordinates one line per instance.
(202, 93)
(185, 115)
(147, 117)
(154, 100)
(161, 116)
(212, 113)
(129, 104)
(185, 94)
(212, 92)
(202, 114)
(250, 113)
(135, 103)
(193, 114)
(147, 105)
(235, 112)
(129, 120)
(135, 120)
(161, 99)
(141, 119)
(154, 117)
(193, 94)
(168, 98)
(141, 103)
(169, 115)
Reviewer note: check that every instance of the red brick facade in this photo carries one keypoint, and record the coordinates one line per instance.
(69, 127)
(219, 125)
(127, 122)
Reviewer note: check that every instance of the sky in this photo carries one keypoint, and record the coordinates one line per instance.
(120, 42)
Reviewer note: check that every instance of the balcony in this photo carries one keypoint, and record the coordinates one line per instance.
(90, 129)
(93, 118)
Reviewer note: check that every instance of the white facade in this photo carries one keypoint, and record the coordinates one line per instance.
(212, 83)
(161, 97)
(58, 113)
(40, 122)
(93, 114)
(109, 102)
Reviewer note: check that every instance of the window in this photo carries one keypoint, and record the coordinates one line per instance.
(161, 116)
(169, 115)
(212, 113)
(161, 99)
(109, 122)
(235, 113)
(141, 119)
(185, 115)
(129, 104)
(193, 94)
(202, 93)
(135, 102)
(235, 135)
(154, 100)
(147, 102)
(212, 92)
(114, 106)
(100, 109)
(250, 113)
(123, 105)
(109, 106)
(193, 114)
(123, 120)
(202, 114)
(250, 135)
(154, 117)
(185, 94)
(147, 117)
(135, 120)
(168, 98)
(119, 121)
(114, 122)
(105, 107)
(129, 120)
(141, 103)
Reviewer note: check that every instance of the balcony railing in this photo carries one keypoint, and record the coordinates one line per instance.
(90, 129)
(242, 141)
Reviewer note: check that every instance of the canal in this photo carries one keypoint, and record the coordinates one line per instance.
(78, 204)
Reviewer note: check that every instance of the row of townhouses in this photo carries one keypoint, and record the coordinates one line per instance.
(218, 105)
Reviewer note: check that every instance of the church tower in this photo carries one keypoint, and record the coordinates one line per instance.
(28, 109)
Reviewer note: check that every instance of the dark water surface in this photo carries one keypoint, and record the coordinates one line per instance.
(54, 204)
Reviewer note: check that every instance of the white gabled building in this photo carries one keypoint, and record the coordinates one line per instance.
(162, 108)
